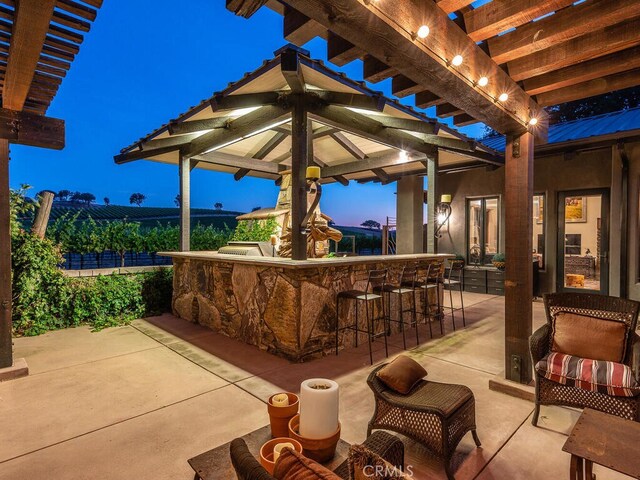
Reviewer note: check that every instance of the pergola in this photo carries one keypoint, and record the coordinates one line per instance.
(38, 41)
(293, 112)
(500, 64)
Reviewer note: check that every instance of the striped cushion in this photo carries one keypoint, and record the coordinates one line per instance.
(610, 378)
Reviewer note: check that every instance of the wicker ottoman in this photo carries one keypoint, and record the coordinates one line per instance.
(437, 415)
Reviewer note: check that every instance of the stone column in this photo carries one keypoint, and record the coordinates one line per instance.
(409, 214)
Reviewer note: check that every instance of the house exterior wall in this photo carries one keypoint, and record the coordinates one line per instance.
(577, 170)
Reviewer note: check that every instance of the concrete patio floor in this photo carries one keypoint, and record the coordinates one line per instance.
(138, 401)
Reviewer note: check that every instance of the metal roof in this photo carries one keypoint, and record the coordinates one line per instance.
(584, 128)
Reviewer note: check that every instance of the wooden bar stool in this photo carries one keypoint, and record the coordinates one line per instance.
(454, 281)
(407, 284)
(433, 278)
(375, 283)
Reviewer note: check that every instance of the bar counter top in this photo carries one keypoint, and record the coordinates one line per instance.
(214, 256)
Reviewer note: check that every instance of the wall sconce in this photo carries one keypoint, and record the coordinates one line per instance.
(442, 213)
(313, 183)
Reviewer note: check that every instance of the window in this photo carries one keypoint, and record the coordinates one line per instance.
(483, 229)
(539, 229)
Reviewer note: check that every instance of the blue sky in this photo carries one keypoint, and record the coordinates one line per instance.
(139, 67)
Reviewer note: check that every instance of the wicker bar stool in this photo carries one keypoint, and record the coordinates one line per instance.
(407, 284)
(454, 280)
(434, 277)
(375, 283)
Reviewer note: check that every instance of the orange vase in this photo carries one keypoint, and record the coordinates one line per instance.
(279, 416)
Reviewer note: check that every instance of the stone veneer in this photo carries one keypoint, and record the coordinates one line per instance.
(285, 309)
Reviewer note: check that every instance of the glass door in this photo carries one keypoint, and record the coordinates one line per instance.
(583, 241)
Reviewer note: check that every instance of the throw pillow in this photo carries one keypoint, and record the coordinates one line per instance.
(589, 337)
(292, 465)
(366, 465)
(402, 374)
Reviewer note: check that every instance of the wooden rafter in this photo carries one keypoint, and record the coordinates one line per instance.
(591, 88)
(595, 44)
(560, 27)
(234, 161)
(29, 33)
(375, 71)
(450, 6)
(388, 38)
(618, 62)
(342, 140)
(299, 29)
(499, 15)
(234, 102)
(191, 126)
(248, 124)
(34, 130)
(271, 144)
(374, 162)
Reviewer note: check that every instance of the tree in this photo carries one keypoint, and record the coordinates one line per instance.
(76, 197)
(371, 225)
(87, 198)
(600, 104)
(137, 199)
(106, 201)
(177, 200)
(63, 195)
(217, 206)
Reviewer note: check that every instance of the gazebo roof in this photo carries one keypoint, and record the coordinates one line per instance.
(361, 135)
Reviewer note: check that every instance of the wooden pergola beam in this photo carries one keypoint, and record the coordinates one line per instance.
(402, 86)
(245, 8)
(375, 71)
(445, 110)
(246, 125)
(235, 161)
(562, 26)
(298, 28)
(292, 71)
(497, 16)
(30, 28)
(175, 141)
(384, 160)
(582, 72)
(592, 45)
(342, 140)
(355, 100)
(353, 122)
(426, 99)
(388, 36)
(591, 88)
(450, 6)
(25, 128)
(418, 126)
(134, 155)
(247, 100)
(271, 145)
(240, 174)
(341, 51)
(191, 126)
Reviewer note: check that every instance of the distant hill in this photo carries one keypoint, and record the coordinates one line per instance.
(146, 216)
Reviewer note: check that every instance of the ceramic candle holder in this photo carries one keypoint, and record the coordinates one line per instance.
(266, 452)
(279, 416)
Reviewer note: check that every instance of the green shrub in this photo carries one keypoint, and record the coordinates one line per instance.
(255, 230)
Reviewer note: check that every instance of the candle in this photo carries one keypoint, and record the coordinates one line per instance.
(318, 408)
(446, 198)
(313, 173)
(277, 449)
(280, 400)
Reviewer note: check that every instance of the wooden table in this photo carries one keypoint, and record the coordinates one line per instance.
(216, 463)
(604, 439)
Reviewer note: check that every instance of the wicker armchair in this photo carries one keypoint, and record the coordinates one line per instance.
(437, 415)
(248, 467)
(549, 392)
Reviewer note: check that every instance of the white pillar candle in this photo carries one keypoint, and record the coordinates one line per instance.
(280, 400)
(318, 408)
(277, 449)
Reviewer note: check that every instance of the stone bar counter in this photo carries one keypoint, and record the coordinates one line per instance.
(286, 307)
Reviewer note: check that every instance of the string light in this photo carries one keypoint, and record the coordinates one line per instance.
(533, 121)
(503, 97)
(457, 60)
(423, 31)
(483, 81)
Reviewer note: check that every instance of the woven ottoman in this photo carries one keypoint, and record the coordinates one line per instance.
(437, 415)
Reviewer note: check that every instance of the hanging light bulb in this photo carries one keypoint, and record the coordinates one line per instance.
(503, 97)
(404, 156)
(533, 121)
(457, 60)
(483, 81)
(423, 31)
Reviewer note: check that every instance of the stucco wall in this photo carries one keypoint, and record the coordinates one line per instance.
(553, 174)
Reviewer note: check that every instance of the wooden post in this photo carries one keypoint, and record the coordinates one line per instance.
(432, 200)
(6, 352)
(185, 204)
(299, 139)
(518, 252)
(39, 227)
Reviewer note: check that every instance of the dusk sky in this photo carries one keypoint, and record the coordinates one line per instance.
(143, 64)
